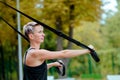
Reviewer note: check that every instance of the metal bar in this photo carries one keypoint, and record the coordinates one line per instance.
(19, 44)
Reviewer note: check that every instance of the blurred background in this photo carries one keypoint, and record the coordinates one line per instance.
(93, 22)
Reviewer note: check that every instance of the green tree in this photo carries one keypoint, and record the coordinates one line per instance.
(88, 33)
(110, 54)
(8, 43)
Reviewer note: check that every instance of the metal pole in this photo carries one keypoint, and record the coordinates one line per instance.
(19, 44)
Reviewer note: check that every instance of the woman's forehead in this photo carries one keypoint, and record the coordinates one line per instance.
(39, 27)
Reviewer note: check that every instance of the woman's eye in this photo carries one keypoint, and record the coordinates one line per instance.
(40, 31)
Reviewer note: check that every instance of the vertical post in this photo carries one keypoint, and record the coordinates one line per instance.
(19, 44)
(113, 64)
(90, 65)
(2, 63)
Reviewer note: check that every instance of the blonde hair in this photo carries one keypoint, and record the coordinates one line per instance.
(29, 28)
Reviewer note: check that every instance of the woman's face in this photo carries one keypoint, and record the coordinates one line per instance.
(38, 34)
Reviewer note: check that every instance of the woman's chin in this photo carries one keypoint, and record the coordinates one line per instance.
(41, 41)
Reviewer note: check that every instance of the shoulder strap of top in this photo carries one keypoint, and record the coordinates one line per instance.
(26, 54)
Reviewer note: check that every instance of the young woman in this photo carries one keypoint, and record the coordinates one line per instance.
(35, 67)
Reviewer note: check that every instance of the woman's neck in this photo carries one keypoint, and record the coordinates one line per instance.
(35, 45)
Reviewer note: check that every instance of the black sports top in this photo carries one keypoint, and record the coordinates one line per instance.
(35, 73)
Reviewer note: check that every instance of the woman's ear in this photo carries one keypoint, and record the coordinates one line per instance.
(30, 36)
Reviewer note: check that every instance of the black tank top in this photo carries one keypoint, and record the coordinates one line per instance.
(35, 73)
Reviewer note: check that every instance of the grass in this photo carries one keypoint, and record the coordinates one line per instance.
(91, 77)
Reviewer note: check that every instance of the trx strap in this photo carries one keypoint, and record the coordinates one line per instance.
(14, 29)
(93, 53)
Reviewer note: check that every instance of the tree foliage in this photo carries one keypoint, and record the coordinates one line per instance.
(111, 31)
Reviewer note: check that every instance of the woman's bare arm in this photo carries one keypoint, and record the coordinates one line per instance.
(45, 54)
(54, 64)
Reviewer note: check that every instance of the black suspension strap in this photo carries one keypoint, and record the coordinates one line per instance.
(15, 29)
(93, 53)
